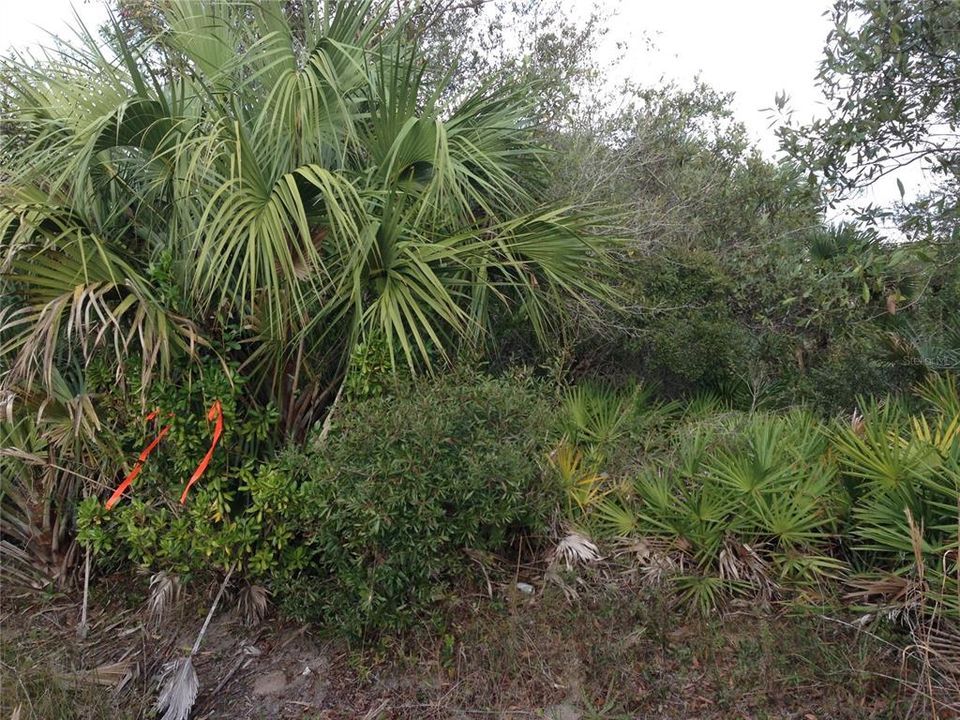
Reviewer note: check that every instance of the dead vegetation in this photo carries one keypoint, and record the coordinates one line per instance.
(618, 651)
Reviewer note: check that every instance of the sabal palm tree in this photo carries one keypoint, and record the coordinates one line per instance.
(296, 181)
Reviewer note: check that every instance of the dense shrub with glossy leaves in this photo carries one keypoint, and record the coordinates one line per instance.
(238, 510)
(404, 484)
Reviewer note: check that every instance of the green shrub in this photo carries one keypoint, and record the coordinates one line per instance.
(855, 364)
(367, 529)
(237, 512)
(404, 484)
(688, 331)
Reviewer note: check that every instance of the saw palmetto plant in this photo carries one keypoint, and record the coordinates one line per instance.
(598, 416)
(905, 472)
(745, 505)
(581, 484)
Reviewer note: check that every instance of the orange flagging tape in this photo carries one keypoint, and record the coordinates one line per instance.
(215, 413)
(138, 466)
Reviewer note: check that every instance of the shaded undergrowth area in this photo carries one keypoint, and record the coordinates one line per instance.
(614, 652)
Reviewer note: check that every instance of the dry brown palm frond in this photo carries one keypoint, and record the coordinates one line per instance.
(179, 687)
(654, 560)
(942, 642)
(639, 549)
(178, 681)
(19, 569)
(115, 674)
(659, 568)
(569, 590)
(857, 423)
(889, 589)
(936, 648)
(23, 455)
(252, 603)
(164, 592)
(741, 562)
(575, 549)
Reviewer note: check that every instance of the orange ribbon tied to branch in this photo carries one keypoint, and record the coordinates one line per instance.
(141, 459)
(215, 413)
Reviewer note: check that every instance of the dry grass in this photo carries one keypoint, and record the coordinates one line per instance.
(619, 651)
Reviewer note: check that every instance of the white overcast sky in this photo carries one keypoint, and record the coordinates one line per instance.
(754, 48)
